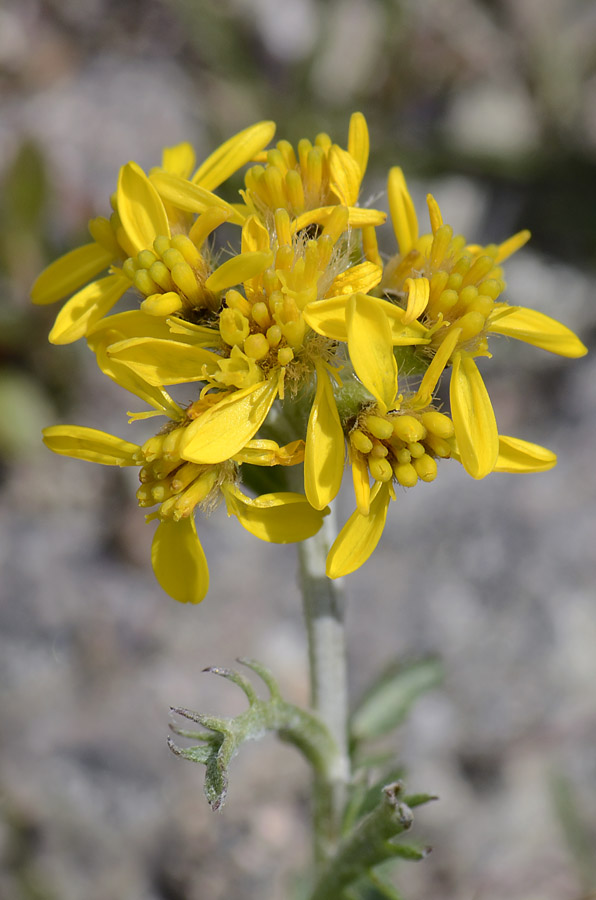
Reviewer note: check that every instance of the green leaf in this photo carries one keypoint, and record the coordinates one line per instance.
(389, 700)
(223, 737)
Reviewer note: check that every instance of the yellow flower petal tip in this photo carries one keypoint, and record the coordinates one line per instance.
(179, 562)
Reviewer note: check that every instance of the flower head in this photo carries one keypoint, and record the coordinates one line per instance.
(292, 342)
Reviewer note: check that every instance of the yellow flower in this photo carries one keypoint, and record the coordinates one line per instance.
(265, 346)
(397, 440)
(457, 299)
(295, 336)
(146, 209)
(179, 487)
(309, 181)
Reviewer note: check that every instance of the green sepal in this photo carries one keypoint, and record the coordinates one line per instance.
(223, 737)
(387, 703)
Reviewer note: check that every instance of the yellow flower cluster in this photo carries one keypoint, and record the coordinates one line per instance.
(294, 337)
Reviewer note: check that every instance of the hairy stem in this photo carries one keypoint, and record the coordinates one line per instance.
(324, 616)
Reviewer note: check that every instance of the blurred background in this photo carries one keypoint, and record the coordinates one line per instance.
(491, 105)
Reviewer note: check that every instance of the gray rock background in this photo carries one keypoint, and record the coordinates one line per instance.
(490, 106)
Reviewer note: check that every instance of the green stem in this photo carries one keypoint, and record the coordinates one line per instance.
(324, 616)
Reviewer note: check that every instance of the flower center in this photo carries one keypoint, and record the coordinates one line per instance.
(401, 445)
(171, 276)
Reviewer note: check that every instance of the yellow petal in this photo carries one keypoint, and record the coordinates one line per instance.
(129, 324)
(124, 376)
(371, 349)
(179, 561)
(141, 211)
(363, 277)
(535, 328)
(358, 141)
(69, 272)
(359, 536)
(238, 269)
(161, 362)
(517, 456)
(89, 305)
(325, 450)
(418, 295)
(345, 176)
(223, 430)
(255, 236)
(201, 334)
(189, 197)
(233, 154)
(435, 370)
(91, 445)
(436, 219)
(361, 482)
(357, 217)
(401, 209)
(473, 418)
(178, 160)
(512, 245)
(269, 453)
(280, 518)
(328, 317)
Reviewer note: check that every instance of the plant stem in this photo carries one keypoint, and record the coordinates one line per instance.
(324, 616)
